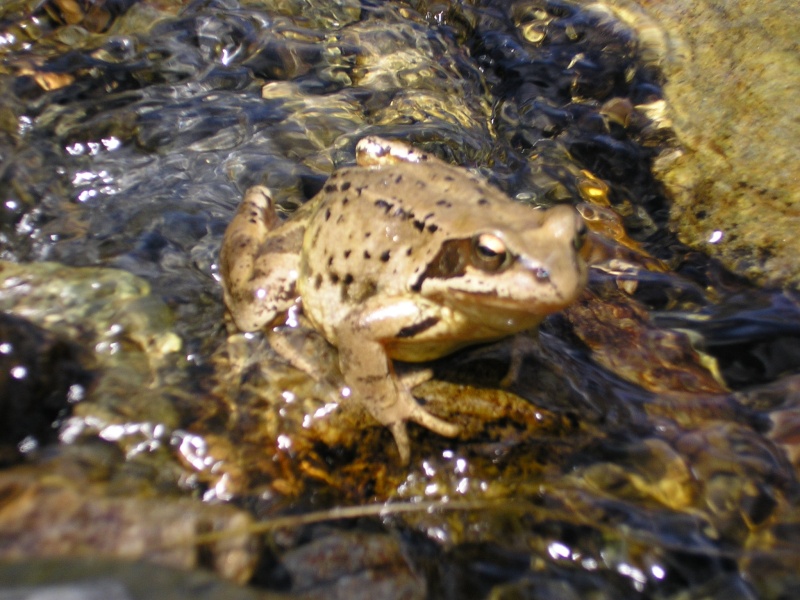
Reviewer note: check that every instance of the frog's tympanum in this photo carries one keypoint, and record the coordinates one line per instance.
(402, 257)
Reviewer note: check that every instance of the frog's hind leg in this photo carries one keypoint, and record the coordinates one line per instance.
(258, 284)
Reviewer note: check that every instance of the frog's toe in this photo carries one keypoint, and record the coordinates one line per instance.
(412, 378)
(400, 434)
(427, 420)
(435, 424)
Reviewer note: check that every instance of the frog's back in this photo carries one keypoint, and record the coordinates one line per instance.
(375, 227)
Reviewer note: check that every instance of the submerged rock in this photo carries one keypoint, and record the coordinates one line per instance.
(40, 376)
(353, 565)
(92, 578)
(51, 512)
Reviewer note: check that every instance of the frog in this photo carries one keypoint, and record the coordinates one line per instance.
(401, 259)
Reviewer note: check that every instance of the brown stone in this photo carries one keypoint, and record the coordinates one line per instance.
(732, 72)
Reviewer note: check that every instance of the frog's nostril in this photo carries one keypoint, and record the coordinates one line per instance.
(542, 274)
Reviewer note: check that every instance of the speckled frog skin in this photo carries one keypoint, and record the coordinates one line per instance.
(402, 257)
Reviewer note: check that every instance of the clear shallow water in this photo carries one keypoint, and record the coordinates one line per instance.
(650, 447)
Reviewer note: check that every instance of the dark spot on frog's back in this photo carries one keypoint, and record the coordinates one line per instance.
(444, 203)
(483, 202)
(317, 281)
(345, 186)
(327, 213)
(385, 256)
(331, 187)
(347, 253)
(348, 279)
(385, 205)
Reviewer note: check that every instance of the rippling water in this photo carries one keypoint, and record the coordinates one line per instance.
(649, 448)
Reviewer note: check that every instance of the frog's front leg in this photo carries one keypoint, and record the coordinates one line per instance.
(370, 374)
(258, 264)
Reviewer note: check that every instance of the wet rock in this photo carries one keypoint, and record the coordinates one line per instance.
(650, 470)
(624, 341)
(103, 305)
(731, 89)
(104, 579)
(45, 515)
(771, 563)
(353, 565)
(126, 328)
(296, 426)
(40, 376)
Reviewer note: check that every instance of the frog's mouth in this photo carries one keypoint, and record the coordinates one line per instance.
(511, 295)
(486, 315)
(506, 313)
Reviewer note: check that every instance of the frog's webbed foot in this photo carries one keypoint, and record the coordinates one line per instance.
(375, 382)
(408, 409)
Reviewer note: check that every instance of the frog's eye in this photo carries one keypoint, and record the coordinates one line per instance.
(490, 253)
(580, 234)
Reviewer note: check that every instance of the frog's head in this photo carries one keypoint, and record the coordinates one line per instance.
(511, 273)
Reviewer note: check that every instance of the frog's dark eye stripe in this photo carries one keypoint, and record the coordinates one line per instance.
(484, 251)
(450, 261)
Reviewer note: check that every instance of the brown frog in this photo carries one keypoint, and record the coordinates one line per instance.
(402, 257)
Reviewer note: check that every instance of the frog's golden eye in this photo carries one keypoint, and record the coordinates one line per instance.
(489, 253)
